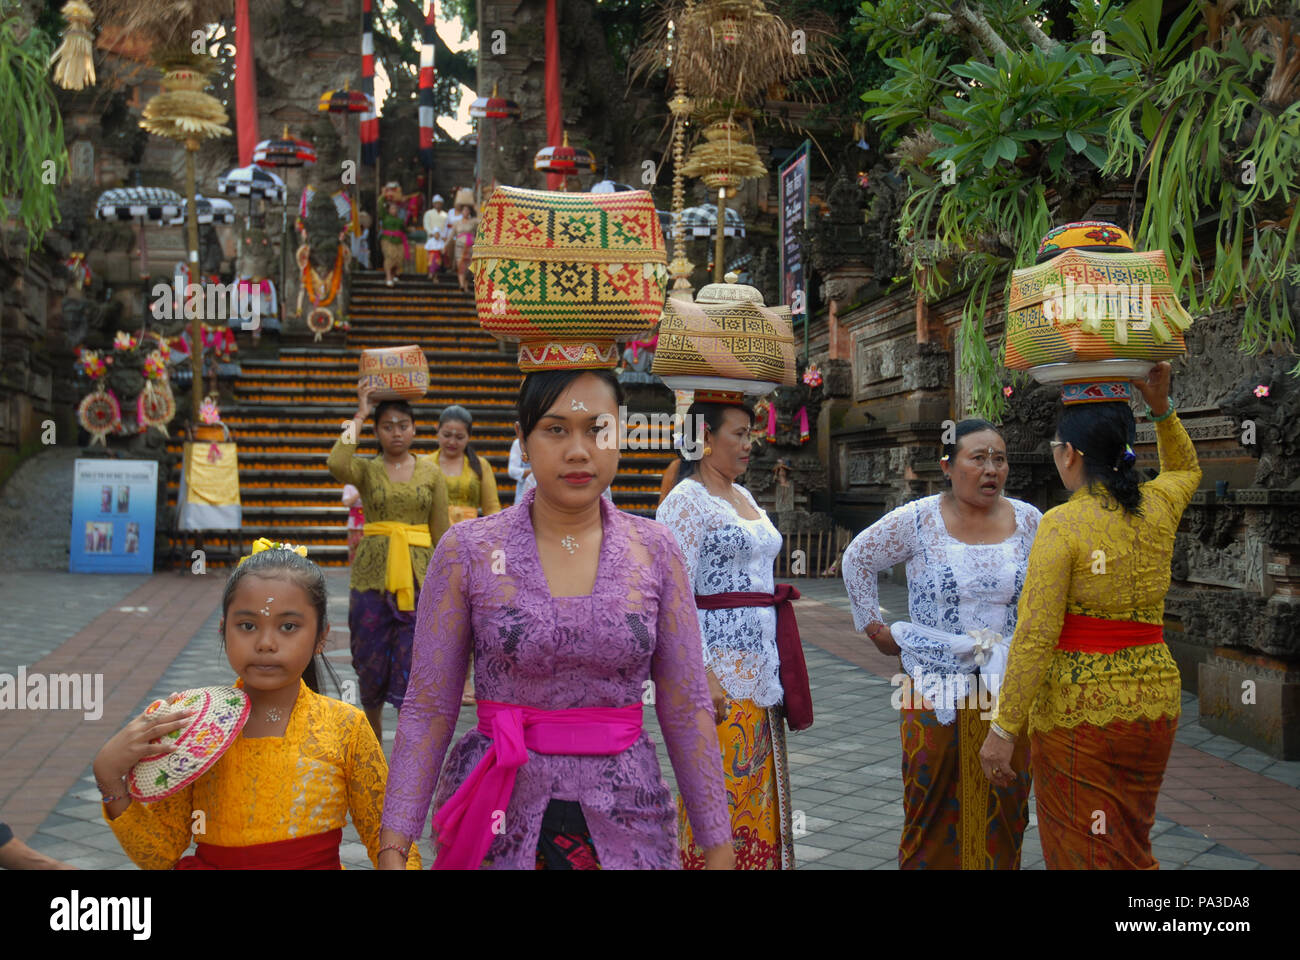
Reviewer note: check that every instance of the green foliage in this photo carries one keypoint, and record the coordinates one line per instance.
(1008, 127)
(33, 156)
(1210, 148)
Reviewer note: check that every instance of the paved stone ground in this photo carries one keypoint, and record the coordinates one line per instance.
(1223, 805)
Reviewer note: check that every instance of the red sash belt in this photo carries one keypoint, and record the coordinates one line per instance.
(794, 671)
(1096, 635)
(398, 235)
(317, 852)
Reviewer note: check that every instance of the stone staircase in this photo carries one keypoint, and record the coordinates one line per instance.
(290, 410)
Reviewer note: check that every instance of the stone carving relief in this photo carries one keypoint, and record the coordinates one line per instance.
(1275, 417)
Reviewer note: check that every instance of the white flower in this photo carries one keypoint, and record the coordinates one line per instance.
(985, 640)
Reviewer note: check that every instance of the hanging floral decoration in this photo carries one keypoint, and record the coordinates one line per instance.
(155, 406)
(812, 377)
(100, 414)
(320, 290)
(125, 341)
(320, 321)
(91, 364)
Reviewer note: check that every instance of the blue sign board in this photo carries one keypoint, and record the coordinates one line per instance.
(114, 503)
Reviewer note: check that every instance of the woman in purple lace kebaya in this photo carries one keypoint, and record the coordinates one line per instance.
(577, 614)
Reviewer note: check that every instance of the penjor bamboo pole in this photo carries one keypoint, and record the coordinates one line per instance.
(192, 242)
(720, 268)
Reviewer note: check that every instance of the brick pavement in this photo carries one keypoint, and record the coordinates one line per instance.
(1223, 806)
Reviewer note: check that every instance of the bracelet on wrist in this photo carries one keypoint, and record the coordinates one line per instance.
(107, 795)
(1164, 416)
(1002, 734)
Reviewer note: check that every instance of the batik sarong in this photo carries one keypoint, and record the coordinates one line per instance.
(758, 791)
(953, 818)
(1096, 791)
(381, 638)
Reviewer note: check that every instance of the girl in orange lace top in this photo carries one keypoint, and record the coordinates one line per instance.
(1088, 672)
(280, 795)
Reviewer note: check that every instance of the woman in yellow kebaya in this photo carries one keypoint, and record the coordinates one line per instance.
(1088, 672)
(405, 502)
(471, 485)
(279, 796)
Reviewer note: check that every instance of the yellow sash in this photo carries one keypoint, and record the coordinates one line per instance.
(399, 577)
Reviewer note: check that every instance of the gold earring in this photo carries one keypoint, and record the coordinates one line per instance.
(708, 451)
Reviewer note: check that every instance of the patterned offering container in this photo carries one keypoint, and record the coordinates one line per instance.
(725, 341)
(1093, 313)
(398, 373)
(222, 713)
(568, 274)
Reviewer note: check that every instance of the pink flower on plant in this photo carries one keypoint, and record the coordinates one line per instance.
(1261, 390)
(1007, 391)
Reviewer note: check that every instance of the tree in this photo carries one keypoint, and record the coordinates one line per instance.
(33, 156)
(1007, 116)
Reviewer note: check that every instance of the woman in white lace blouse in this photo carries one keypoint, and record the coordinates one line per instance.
(730, 546)
(966, 552)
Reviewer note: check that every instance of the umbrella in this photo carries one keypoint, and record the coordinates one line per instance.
(251, 181)
(702, 221)
(213, 210)
(565, 160)
(346, 100)
(495, 107)
(284, 151)
(144, 204)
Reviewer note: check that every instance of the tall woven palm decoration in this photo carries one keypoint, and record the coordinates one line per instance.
(74, 61)
(183, 112)
(734, 49)
(164, 23)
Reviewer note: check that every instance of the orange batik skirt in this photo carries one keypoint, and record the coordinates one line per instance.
(758, 791)
(1096, 791)
(953, 818)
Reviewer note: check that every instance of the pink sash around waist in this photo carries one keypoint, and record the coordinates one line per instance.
(463, 827)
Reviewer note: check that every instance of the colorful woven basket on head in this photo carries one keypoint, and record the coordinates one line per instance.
(1083, 304)
(399, 373)
(568, 274)
(222, 713)
(724, 338)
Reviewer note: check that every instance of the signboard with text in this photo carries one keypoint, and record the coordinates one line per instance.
(793, 180)
(114, 504)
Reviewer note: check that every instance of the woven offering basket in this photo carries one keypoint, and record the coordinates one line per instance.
(568, 274)
(222, 713)
(400, 373)
(1084, 306)
(728, 333)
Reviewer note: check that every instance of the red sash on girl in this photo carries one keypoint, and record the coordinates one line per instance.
(464, 824)
(794, 671)
(1098, 635)
(317, 852)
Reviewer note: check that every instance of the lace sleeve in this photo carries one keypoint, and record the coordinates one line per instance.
(438, 510)
(367, 773)
(682, 515)
(683, 706)
(155, 835)
(343, 466)
(489, 503)
(1039, 616)
(1180, 471)
(890, 540)
(439, 661)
